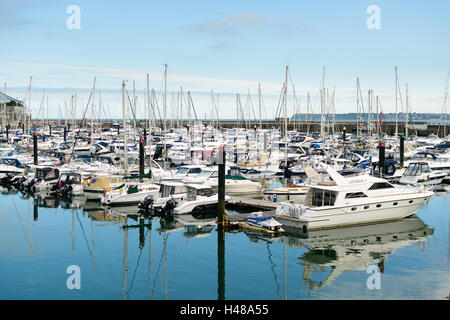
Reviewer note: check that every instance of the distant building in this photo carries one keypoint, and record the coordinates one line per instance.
(11, 110)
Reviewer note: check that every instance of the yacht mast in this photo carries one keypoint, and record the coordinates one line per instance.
(165, 111)
(124, 119)
(357, 107)
(322, 106)
(407, 113)
(396, 111)
(92, 112)
(285, 116)
(259, 104)
(307, 113)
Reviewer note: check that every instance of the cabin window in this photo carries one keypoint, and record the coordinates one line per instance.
(380, 185)
(410, 201)
(378, 205)
(354, 208)
(195, 170)
(321, 197)
(355, 195)
(205, 192)
(191, 194)
(366, 207)
(395, 203)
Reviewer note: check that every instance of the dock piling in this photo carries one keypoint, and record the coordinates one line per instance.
(221, 196)
(35, 149)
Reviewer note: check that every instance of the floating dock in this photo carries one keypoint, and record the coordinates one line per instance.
(251, 204)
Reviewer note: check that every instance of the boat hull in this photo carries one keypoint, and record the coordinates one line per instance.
(345, 216)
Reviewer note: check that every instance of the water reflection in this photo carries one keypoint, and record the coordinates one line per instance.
(334, 251)
(145, 270)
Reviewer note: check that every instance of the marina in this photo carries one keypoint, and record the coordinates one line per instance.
(224, 151)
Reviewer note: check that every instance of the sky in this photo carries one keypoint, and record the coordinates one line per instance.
(227, 47)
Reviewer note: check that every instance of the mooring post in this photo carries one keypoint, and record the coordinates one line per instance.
(35, 211)
(7, 133)
(381, 161)
(141, 233)
(402, 150)
(141, 157)
(221, 202)
(35, 148)
(65, 134)
(145, 135)
(50, 130)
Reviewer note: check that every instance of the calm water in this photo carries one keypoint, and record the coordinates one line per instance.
(170, 260)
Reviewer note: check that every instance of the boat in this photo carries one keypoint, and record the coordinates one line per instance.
(353, 200)
(11, 167)
(200, 199)
(131, 193)
(420, 173)
(45, 178)
(235, 183)
(256, 221)
(93, 189)
(169, 191)
(69, 184)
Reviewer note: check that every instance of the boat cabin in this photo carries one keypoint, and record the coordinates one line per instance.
(198, 190)
(170, 188)
(417, 168)
(47, 173)
(70, 178)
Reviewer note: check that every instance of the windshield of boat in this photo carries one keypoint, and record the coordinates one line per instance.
(182, 170)
(415, 169)
(205, 173)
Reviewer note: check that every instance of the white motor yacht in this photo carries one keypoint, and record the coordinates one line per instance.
(358, 199)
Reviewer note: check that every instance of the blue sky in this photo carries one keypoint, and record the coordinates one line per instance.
(228, 47)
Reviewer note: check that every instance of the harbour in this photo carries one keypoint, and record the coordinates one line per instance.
(224, 152)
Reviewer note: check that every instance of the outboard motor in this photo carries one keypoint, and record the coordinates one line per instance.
(6, 180)
(146, 203)
(169, 206)
(66, 190)
(17, 183)
(56, 186)
(30, 184)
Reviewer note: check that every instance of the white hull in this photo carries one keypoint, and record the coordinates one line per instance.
(335, 217)
(93, 195)
(203, 204)
(127, 199)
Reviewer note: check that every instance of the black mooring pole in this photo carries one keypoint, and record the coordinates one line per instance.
(35, 211)
(65, 134)
(35, 148)
(145, 135)
(381, 161)
(221, 224)
(141, 157)
(221, 203)
(402, 151)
